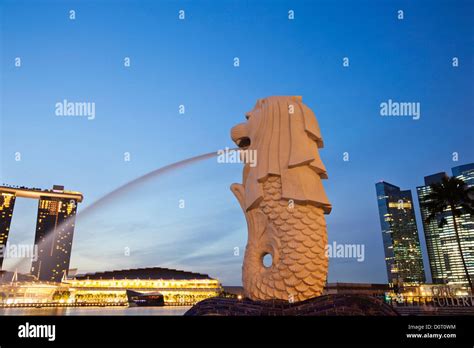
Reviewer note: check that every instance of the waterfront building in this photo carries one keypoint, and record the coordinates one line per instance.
(178, 288)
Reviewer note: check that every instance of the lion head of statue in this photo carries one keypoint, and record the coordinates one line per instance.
(286, 137)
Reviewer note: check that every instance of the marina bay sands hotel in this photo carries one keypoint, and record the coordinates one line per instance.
(54, 227)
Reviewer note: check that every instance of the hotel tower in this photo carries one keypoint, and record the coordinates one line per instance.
(54, 227)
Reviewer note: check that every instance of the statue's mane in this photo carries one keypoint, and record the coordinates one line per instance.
(286, 136)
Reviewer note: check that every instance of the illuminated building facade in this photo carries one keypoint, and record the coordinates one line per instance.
(54, 233)
(403, 256)
(178, 288)
(7, 203)
(443, 250)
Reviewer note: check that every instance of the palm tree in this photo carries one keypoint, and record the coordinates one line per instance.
(453, 194)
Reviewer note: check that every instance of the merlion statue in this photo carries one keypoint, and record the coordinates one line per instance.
(283, 200)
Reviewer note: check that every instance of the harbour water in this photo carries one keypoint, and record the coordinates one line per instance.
(171, 310)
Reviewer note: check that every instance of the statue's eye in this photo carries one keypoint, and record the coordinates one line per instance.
(247, 116)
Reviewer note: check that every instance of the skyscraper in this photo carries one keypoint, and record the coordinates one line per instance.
(443, 250)
(403, 256)
(54, 234)
(7, 203)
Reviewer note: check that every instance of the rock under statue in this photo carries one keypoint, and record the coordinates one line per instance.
(284, 201)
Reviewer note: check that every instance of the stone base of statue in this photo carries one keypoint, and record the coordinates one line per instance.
(327, 305)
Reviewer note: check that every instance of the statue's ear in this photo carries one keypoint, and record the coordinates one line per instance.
(260, 103)
(301, 151)
(311, 125)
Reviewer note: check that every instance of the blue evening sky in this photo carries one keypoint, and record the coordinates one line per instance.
(190, 62)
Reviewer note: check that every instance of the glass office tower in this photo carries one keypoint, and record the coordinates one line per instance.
(403, 256)
(443, 250)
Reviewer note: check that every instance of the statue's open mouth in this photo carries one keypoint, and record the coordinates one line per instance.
(243, 143)
(239, 135)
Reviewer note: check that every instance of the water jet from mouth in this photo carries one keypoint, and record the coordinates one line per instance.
(115, 195)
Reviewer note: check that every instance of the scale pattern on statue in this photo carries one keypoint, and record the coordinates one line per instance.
(298, 235)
